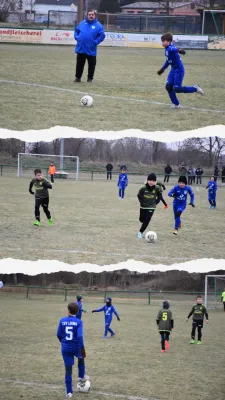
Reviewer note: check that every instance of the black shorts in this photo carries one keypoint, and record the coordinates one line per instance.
(197, 322)
(145, 214)
(41, 202)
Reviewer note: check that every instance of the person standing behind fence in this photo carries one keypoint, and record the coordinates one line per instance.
(199, 173)
(216, 172)
(52, 171)
(109, 168)
(88, 34)
(168, 171)
(190, 175)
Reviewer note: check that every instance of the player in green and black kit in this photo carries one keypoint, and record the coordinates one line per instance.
(223, 299)
(165, 323)
(148, 196)
(198, 311)
(161, 185)
(41, 196)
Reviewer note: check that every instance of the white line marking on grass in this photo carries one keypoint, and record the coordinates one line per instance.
(197, 189)
(68, 251)
(108, 96)
(57, 387)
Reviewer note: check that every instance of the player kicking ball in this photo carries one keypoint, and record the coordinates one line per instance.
(177, 72)
(41, 196)
(198, 311)
(179, 193)
(165, 324)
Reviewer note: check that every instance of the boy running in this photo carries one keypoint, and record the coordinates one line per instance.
(122, 183)
(70, 335)
(109, 310)
(179, 193)
(165, 324)
(198, 311)
(41, 196)
(177, 72)
(80, 306)
(148, 197)
(212, 188)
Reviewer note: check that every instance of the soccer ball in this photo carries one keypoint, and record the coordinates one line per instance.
(86, 101)
(84, 386)
(151, 237)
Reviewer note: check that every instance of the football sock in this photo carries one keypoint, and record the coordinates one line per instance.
(81, 368)
(68, 380)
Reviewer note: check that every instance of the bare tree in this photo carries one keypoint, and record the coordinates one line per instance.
(6, 6)
(210, 147)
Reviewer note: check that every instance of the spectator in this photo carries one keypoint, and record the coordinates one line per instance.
(190, 175)
(199, 173)
(109, 168)
(223, 174)
(168, 170)
(183, 170)
(216, 172)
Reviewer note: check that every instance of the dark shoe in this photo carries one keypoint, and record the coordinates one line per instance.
(90, 80)
(76, 80)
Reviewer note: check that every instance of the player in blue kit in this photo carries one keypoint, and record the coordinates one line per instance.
(212, 188)
(179, 193)
(70, 335)
(177, 72)
(79, 302)
(109, 310)
(122, 183)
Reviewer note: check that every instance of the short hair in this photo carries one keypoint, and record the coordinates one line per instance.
(37, 171)
(167, 37)
(94, 11)
(73, 308)
(199, 297)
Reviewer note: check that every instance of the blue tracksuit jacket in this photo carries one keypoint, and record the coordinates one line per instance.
(88, 35)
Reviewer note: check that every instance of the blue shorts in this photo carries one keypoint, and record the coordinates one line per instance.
(175, 77)
(178, 208)
(68, 356)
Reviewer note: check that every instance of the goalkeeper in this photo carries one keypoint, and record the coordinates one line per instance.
(41, 196)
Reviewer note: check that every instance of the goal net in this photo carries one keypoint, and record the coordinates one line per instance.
(66, 166)
(213, 22)
(214, 286)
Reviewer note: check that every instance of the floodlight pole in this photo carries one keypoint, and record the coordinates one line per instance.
(206, 290)
(80, 11)
(203, 22)
(61, 153)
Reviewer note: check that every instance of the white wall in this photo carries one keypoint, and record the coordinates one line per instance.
(44, 8)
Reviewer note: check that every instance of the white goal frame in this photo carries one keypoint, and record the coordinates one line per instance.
(19, 169)
(206, 285)
(213, 12)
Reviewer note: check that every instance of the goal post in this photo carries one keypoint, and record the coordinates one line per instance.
(214, 286)
(215, 20)
(66, 166)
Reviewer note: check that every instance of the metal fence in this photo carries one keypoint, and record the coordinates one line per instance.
(121, 22)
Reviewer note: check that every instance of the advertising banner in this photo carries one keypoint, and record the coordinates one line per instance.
(58, 37)
(10, 35)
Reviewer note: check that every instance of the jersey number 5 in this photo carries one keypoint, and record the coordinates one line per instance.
(164, 316)
(69, 333)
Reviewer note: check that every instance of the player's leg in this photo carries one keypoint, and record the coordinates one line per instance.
(194, 326)
(178, 88)
(122, 192)
(110, 330)
(37, 211)
(200, 327)
(68, 359)
(91, 67)
(214, 201)
(167, 339)
(169, 88)
(224, 306)
(210, 201)
(107, 323)
(177, 214)
(81, 58)
(147, 216)
(162, 334)
(45, 204)
(81, 368)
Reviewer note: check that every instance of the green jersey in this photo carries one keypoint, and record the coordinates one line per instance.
(161, 185)
(148, 196)
(165, 320)
(41, 188)
(223, 297)
(198, 312)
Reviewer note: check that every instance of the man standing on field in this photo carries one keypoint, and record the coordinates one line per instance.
(88, 34)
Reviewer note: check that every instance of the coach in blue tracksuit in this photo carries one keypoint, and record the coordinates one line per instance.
(212, 188)
(180, 193)
(88, 34)
(109, 310)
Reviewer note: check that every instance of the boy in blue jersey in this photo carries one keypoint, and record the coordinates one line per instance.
(109, 310)
(177, 72)
(212, 188)
(179, 193)
(70, 335)
(80, 306)
(122, 183)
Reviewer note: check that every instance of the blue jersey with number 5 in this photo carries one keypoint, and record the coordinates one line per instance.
(70, 333)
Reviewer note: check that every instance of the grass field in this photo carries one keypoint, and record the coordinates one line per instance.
(92, 225)
(130, 364)
(124, 77)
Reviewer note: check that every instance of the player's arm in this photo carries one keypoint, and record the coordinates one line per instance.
(30, 186)
(207, 186)
(101, 35)
(80, 338)
(165, 66)
(140, 195)
(172, 193)
(191, 313)
(159, 317)
(76, 32)
(126, 182)
(206, 314)
(192, 197)
(59, 332)
(116, 314)
(47, 184)
(99, 309)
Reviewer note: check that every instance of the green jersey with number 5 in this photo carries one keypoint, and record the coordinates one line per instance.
(165, 320)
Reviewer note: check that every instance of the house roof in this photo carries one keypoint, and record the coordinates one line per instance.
(141, 5)
(56, 2)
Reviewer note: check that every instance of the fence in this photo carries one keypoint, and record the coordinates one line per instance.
(100, 175)
(147, 297)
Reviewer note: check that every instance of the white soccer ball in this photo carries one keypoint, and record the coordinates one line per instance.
(151, 237)
(86, 101)
(84, 386)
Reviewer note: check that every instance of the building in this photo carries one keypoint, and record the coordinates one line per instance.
(188, 8)
(42, 7)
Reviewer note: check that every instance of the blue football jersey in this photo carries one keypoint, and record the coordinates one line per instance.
(212, 187)
(108, 311)
(70, 332)
(123, 180)
(180, 195)
(80, 305)
(172, 58)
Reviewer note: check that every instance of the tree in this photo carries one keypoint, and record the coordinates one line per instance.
(5, 7)
(109, 6)
(211, 148)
